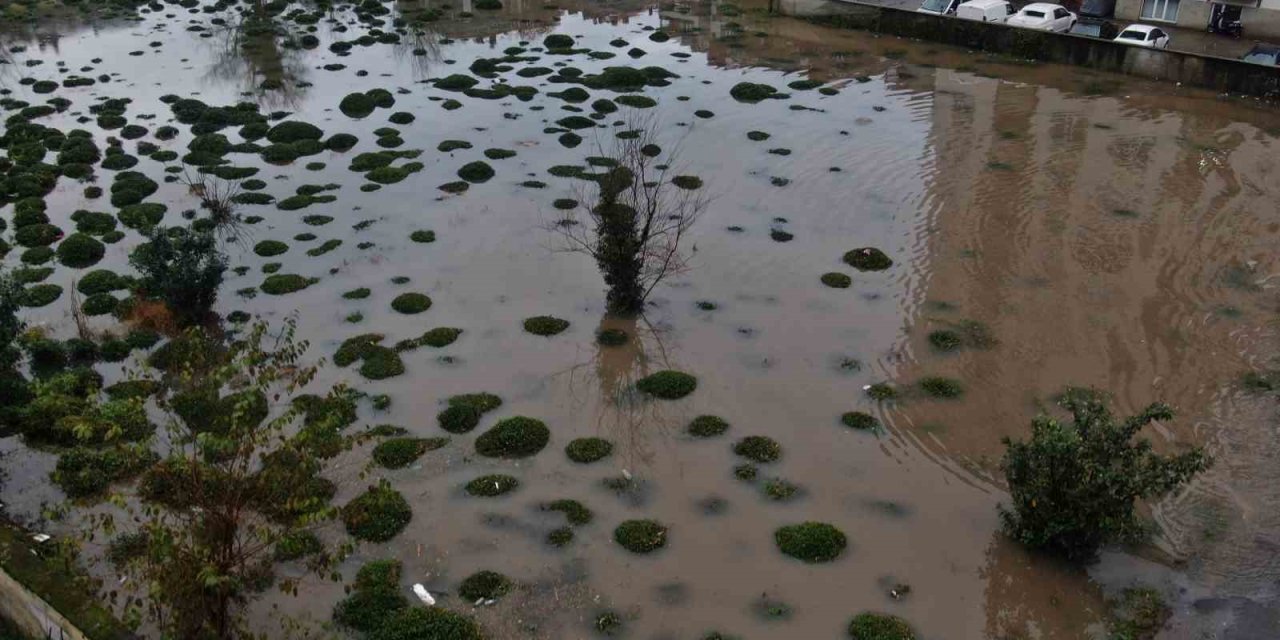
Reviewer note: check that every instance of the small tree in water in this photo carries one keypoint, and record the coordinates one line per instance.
(1073, 485)
(638, 216)
(183, 268)
(235, 486)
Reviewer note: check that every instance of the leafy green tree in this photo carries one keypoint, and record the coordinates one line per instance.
(182, 267)
(235, 486)
(14, 391)
(1073, 485)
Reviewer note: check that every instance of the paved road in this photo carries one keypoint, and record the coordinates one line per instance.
(1188, 40)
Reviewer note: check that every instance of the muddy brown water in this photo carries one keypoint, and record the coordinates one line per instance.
(1111, 233)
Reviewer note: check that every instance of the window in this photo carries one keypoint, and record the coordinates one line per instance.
(1033, 14)
(936, 6)
(1131, 35)
(1059, 13)
(1156, 34)
(1165, 10)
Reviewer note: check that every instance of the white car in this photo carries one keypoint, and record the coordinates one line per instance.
(1044, 17)
(985, 10)
(1141, 35)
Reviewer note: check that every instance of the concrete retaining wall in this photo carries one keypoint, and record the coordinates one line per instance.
(1219, 74)
(32, 614)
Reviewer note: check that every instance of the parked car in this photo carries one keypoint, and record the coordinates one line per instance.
(1097, 8)
(1095, 28)
(1143, 35)
(985, 10)
(1044, 17)
(939, 7)
(1268, 54)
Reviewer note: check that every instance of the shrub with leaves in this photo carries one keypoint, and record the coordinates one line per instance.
(230, 486)
(1073, 485)
(183, 268)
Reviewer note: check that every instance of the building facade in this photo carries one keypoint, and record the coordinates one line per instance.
(1260, 18)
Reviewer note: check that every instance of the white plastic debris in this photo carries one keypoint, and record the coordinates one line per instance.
(41, 537)
(626, 474)
(423, 594)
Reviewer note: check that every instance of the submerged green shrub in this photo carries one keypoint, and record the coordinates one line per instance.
(758, 448)
(811, 541)
(484, 585)
(411, 303)
(378, 514)
(545, 325)
(667, 384)
(868, 259)
(861, 421)
(516, 437)
(395, 453)
(588, 450)
(880, 626)
(1072, 486)
(707, 426)
(641, 536)
(491, 486)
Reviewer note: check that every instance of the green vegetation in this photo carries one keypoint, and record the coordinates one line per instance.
(760, 449)
(396, 453)
(484, 585)
(80, 250)
(477, 171)
(575, 512)
(378, 514)
(860, 421)
(1139, 613)
(811, 542)
(588, 450)
(707, 426)
(428, 623)
(751, 92)
(780, 490)
(836, 280)
(880, 626)
(285, 283)
(375, 599)
(516, 437)
(641, 536)
(411, 303)
(882, 391)
(940, 387)
(380, 363)
(667, 384)
(1072, 486)
(868, 259)
(492, 486)
(269, 248)
(545, 325)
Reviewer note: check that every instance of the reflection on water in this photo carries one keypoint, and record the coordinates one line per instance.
(1122, 241)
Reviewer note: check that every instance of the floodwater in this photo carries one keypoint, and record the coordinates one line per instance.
(1109, 232)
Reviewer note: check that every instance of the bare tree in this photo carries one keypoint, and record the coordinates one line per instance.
(635, 217)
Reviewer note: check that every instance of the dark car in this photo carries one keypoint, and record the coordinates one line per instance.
(1095, 28)
(1268, 54)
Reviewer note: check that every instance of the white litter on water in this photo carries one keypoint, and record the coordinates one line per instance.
(423, 594)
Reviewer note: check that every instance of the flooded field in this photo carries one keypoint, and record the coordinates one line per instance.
(1095, 231)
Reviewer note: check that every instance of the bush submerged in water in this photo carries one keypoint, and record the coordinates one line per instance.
(641, 536)
(668, 384)
(811, 542)
(516, 437)
(378, 514)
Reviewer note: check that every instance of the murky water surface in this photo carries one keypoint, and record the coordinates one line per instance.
(1107, 232)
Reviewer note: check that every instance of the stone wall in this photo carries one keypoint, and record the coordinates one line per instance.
(1218, 74)
(32, 614)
